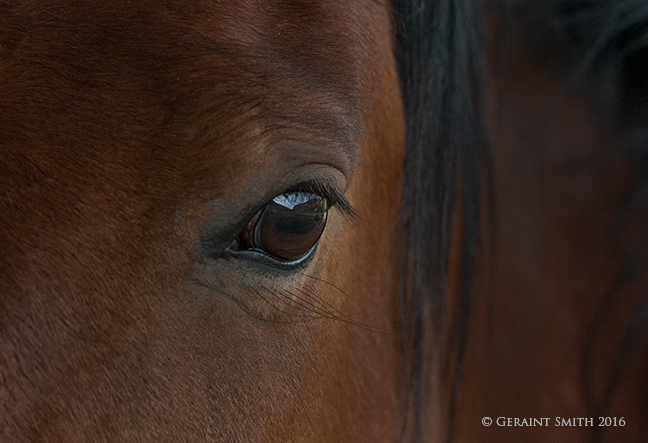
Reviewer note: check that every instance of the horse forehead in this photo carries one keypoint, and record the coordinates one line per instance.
(219, 82)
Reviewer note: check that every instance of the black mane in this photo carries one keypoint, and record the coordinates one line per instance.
(599, 49)
(440, 56)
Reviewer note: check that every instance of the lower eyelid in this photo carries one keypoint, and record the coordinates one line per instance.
(259, 257)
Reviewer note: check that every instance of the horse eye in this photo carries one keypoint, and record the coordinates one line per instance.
(288, 227)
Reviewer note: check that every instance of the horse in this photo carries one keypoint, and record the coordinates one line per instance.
(316, 221)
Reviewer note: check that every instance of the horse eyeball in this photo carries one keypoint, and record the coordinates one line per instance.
(290, 225)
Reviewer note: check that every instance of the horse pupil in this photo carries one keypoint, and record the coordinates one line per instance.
(296, 225)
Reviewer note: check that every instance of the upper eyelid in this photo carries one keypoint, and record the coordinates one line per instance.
(330, 192)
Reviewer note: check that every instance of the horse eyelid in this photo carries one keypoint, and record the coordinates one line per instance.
(331, 193)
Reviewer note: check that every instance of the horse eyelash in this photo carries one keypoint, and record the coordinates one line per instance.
(331, 193)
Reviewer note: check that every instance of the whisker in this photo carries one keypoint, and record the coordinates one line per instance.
(330, 315)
